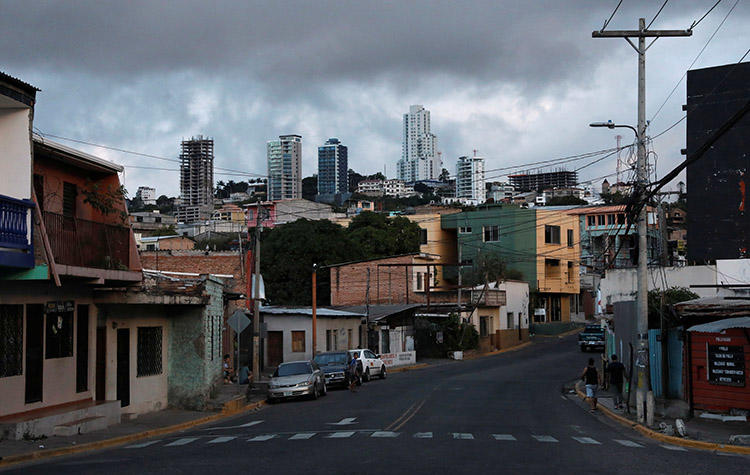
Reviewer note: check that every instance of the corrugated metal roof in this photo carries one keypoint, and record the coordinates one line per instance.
(18, 82)
(321, 312)
(91, 161)
(719, 325)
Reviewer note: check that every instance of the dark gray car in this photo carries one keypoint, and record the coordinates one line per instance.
(295, 379)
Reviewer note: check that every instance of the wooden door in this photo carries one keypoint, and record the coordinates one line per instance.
(275, 348)
(101, 363)
(123, 366)
(82, 349)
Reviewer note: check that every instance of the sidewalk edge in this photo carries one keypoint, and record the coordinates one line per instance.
(652, 434)
(106, 443)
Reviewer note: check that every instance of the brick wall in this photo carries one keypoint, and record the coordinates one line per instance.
(388, 285)
(198, 262)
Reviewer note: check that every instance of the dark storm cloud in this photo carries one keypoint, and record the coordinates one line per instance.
(517, 79)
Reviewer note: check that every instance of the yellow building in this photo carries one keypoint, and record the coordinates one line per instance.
(557, 264)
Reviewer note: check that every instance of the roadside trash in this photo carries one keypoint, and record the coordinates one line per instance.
(666, 429)
(681, 428)
(41, 446)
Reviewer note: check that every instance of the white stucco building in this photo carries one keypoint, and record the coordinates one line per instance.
(470, 180)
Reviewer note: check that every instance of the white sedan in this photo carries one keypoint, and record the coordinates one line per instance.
(371, 364)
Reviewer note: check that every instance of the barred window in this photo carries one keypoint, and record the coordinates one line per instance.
(149, 351)
(59, 335)
(11, 340)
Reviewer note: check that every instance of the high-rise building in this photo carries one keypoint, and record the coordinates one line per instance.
(196, 178)
(146, 194)
(333, 166)
(285, 168)
(419, 157)
(543, 180)
(470, 180)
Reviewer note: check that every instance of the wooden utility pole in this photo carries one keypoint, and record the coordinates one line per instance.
(256, 295)
(642, 179)
(314, 308)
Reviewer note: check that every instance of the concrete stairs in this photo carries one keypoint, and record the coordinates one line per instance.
(68, 419)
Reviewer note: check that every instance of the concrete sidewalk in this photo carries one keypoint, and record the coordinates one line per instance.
(144, 426)
(701, 433)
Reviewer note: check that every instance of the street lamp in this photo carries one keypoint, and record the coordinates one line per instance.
(611, 125)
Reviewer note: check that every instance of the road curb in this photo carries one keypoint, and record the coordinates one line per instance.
(408, 368)
(652, 434)
(497, 352)
(560, 335)
(124, 439)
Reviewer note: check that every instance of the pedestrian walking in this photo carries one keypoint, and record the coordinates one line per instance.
(616, 376)
(590, 377)
(353, 370)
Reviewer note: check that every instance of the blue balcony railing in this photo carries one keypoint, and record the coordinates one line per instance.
(16, 243)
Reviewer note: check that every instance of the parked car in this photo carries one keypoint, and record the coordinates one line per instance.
(593, 336)
(333, 364)
(297, 378)
(371, 364)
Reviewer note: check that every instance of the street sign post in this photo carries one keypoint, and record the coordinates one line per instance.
(238, 321)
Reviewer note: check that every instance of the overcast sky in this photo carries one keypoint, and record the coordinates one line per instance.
(519, 81)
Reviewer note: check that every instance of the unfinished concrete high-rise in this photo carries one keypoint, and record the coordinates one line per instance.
(196, 178)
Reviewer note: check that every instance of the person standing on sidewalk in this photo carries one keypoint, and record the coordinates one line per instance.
(353, 370)
(616, 376)
(590, 377)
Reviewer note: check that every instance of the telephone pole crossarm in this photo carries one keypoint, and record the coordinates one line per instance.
(639, 33)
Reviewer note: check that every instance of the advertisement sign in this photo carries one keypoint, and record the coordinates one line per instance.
(404, 358)
(726, 365)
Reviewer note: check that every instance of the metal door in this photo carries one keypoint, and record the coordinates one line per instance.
(34, 352)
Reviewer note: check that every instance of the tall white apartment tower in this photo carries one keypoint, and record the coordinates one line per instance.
(419, 158)
(470, 180)
(284, 167)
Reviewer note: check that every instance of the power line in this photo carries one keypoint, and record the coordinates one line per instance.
(695, 23)
(695, 60)
(611, 16)
(657, 14)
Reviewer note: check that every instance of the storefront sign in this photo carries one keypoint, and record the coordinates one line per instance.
(59, 306)
(403, 358)
(726, 365)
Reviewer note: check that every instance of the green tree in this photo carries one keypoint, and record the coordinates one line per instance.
(672, 296)
(166, 231)
(310, 187)
(378, 235)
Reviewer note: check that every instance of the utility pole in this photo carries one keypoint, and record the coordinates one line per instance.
(256, 294)
(642, 274)
(314, 308)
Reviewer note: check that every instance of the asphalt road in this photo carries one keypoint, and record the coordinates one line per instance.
(499, 414)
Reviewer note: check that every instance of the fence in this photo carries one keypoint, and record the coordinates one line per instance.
(84, 243)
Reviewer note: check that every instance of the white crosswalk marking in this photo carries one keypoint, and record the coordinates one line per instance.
(628, 443)
(423, 435)
(674, 447)
(184, 441)
(384, 434)
(463, 436)
(302, 436)
(221, 440)
(142, 444)
(544, 438)
(587, 440)
(503, 437)
(340, 435)
(248, 424)
(262, 438)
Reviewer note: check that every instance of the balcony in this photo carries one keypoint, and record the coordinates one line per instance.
(16, 244)
(82, 243)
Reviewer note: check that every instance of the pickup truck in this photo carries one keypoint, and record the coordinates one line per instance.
(591, 337)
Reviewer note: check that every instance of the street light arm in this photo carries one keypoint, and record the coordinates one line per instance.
(612, 125)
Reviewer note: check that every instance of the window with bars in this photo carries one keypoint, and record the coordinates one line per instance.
(70, 192)
(298, 341)
(570, 238)
(149, 351)
(11, 340)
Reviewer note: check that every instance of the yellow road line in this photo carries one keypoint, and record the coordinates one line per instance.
(414, 412)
